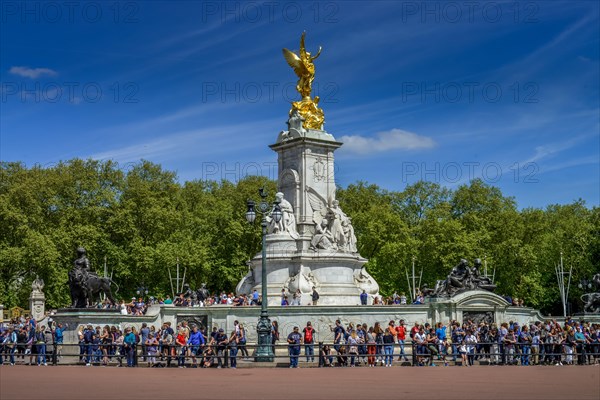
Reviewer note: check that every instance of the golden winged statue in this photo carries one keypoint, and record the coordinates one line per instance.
(304, 68)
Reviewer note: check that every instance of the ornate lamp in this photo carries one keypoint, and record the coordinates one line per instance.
(251, 213)
(264, 351)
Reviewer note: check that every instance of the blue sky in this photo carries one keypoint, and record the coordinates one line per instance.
(443, 91)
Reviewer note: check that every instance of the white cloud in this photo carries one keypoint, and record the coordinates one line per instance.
(394, 139)
(32, 73)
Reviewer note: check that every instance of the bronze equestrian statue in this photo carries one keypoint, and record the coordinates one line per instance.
(85, 285)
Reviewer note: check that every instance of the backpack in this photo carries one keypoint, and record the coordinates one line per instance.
(308, 335)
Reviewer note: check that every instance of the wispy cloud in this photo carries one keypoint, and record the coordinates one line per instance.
(32, 73)
(552, 149)
(394, 139)
(181, 144)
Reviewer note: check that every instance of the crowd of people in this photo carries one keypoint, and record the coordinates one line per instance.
(33, 344)
(539, 343)
(25, 341)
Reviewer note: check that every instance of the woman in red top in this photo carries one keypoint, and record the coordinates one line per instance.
(401, 335)
(181, 344)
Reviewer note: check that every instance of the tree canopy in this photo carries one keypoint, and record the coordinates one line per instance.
(143, 221)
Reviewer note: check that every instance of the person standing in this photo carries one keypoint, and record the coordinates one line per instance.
(378, 332)
(144, 336)
(152, 348)
(180, 342)
(314, 296)
(196, 343)
(242, 341)
(502, 333)
(363, 298)
(352, 344)
(274, 335)
(233, 348)
(371, 347)
(338, 335)
(580, 342)
(535, 347)
(440, 333)
(221, 340)
(40, 344)
(294, 340)
(388, 345)
(471, 342)
(309, 344)
(129, 346)
(11, 343)
(525, 340)
(361, 332)
(421, 340)
(401, 336)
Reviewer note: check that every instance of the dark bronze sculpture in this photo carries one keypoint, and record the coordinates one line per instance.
(463, 278)
(202, 294)
(197, 297)
(592, 300)
(85, 285)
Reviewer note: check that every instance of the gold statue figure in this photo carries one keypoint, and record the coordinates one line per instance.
(304, 68)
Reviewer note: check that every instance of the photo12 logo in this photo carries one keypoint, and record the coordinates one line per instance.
(470, 92)
(455, 172)
(254, 92)
(50, 12)
(455, 12)
(270, 11)
(69, 92)
(234, 172)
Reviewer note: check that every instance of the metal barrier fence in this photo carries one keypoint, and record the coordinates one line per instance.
(507, 354)
(321, 354)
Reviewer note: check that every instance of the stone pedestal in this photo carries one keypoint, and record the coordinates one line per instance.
(294, 261)
(37, 304)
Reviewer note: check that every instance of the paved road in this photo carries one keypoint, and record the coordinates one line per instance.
(480, 382)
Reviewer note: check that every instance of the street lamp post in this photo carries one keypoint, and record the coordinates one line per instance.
(264, 351)
(142, 291)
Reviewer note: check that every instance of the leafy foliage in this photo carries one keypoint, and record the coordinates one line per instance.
(143, 222)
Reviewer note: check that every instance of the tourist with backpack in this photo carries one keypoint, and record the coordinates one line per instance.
(309, 343)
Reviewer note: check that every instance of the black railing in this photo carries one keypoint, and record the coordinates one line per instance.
(323, 354)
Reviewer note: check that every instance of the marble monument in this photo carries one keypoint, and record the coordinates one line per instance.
(314, 244)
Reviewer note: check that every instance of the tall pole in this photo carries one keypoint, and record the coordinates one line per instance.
(264, 351)
(414, 294)
(103, 296)
(562, 283)
(263, 272)
(171, 280)
(408, 281)
(568, 286)
(560, 277)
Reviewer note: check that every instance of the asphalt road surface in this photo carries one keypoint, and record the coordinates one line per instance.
(418, 383)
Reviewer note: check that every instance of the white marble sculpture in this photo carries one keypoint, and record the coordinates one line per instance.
(287, 224)
(37, 299)
(37, 285)
(323, 239)
(338, 232)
